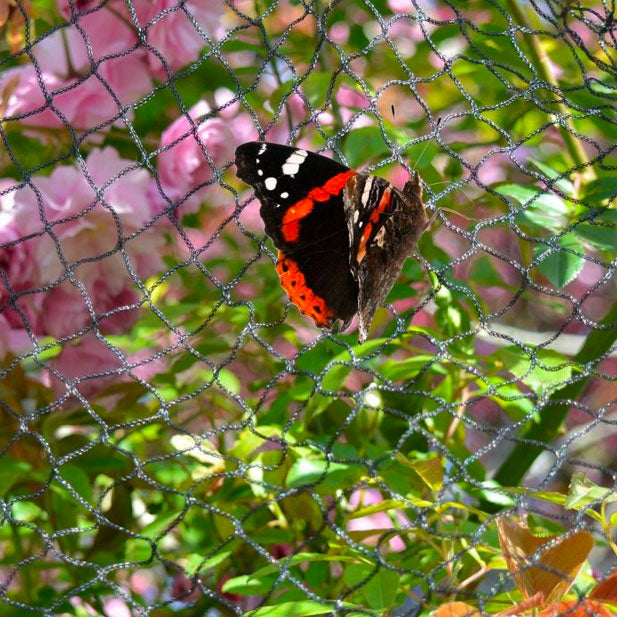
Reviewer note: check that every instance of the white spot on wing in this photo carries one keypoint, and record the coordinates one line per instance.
(262, 149)
(284, 195)
(271, 183)
(260, 173)
(356, 216)
(293, 162)
(290, 170)
(367, 190)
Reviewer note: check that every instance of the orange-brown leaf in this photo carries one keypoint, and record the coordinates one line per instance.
(576, 608)
(536, 601)
(606, 591)
(550, 571)
(456, 609)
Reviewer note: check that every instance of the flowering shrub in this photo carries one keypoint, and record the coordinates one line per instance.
(177, 439)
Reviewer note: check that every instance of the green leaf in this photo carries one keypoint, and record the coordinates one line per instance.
(493, 493)
(601, 189)
(136, 549)
(25, 511)
(550, 496)
(516, 404)
(563, 184)
(382, 506)
(250, 584)
(301, 558)
(600, 237)
(78, 480)
(430, 471)
(11, 470)
(544, 210)
(303, 608)
(409, 367)
(550, 369)
(484, 273)
(380, 590)
(561, 266)
(307, 471)
(516, 464)
(583, 493)
(315, 87)
(195, 561)
(363, 145)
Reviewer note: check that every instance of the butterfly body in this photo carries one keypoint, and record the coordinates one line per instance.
(342, 236)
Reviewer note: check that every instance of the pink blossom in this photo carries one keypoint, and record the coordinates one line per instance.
(13, 340)
(86, 360)
(296, 109)
(182, 165)
(91, 229)
(85, 363)
(19, 87)
(147, 364)
(227, 102)
(339, 32)
(400, 6)
(65, 311)
(115, 607)
(178, 32)
(107, 31)
(88, 230)
(379, 521)
(351, 97)
(78, 96)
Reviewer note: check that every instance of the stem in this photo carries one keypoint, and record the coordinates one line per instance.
(465, 396)
(70, 69)
(607, 528)
(542, 65)
(279, 81)
(24, 571)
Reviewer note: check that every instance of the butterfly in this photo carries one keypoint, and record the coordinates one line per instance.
(342, 236)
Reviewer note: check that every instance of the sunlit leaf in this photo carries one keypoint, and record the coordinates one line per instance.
(548, 565)
(544, 210)
(563, 264)
(583, 492)
(304, 608)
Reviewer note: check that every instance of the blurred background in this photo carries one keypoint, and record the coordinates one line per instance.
(177, 439)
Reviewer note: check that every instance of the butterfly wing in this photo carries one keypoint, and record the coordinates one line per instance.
(384, 225)
(301, 195)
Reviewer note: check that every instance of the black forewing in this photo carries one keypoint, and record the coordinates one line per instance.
(322, 248)
(315, 170)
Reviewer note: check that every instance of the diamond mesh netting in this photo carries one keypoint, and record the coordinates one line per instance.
(178, 440)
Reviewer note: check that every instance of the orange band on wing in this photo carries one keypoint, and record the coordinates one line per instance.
(383, 206)
(290, 226)
(294, 283)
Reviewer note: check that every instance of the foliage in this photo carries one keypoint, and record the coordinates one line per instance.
(192, 443)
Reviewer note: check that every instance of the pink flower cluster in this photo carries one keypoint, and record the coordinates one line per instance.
(94, 69)
(70, 244)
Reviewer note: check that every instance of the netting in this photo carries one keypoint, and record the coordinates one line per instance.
(178, 440)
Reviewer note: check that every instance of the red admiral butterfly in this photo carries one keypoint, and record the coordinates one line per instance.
(342, 236)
